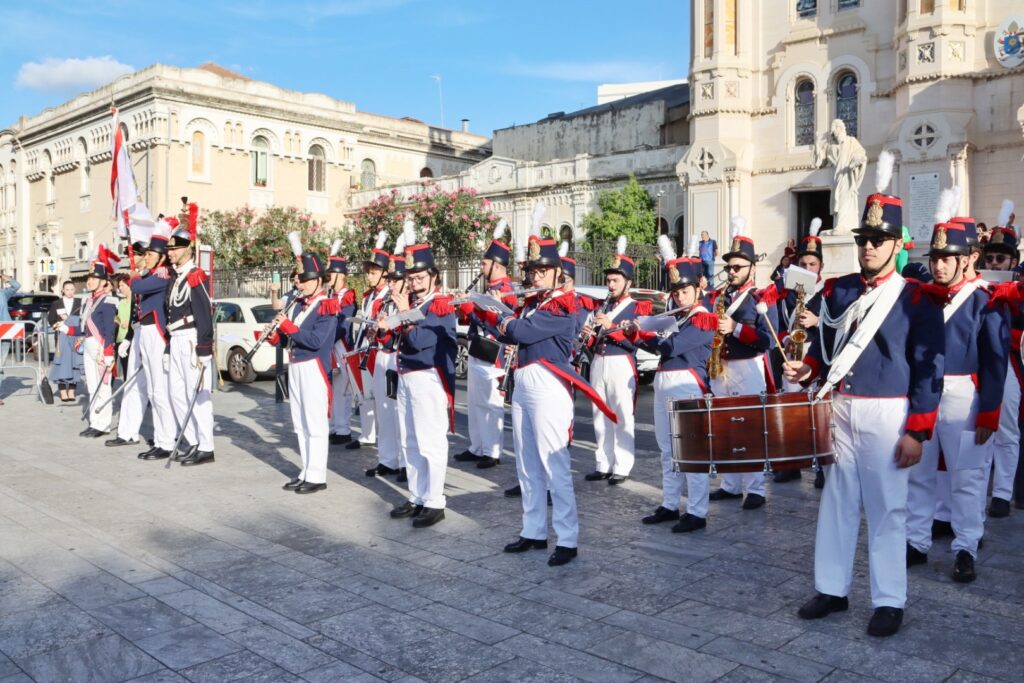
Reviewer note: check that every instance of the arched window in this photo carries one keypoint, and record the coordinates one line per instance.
(368, 176)
(260, 156)
(846, 101)
(662, 225)
(425, 172)
(680, 235)
(565, 234)
(316, 179)
(198, 153)
(805, 9)
(804, 112)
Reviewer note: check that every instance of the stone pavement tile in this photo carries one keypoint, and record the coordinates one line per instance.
(445, 657)
(307, 564)
(55, 567)
(355, 657)
(96, 590)
(104, 659)
(188, 646)
(962, 676)
(7, 667)
(376, 629)
(737, 594)
(256, 575)
(745, 569)
(662, 629)
(519, 669)
(238, 666)
(467, 596)
(463, 623)
(473, 572)
(869, 658)
(726, 622)
(569, 602)
(162, 676)
(50, 627)
(162, 586)
(381, 593)
(141, 618)
(962, 647)
(338, 671)
(841, 676)
(310, 601)
(24, 593)
(567, 660)
(772, 661)
(556, 625)
(670, 553)
(397, 572)
(283, 650)
(17, 678)
(124, 567)
(219, 616)
(955, 618)
(454, 547)
(660, 658)
(207, 557)
(745, 674)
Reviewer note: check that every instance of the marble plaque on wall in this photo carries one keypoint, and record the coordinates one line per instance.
(924, 196)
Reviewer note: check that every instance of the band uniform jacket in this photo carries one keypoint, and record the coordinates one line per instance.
(189, 307)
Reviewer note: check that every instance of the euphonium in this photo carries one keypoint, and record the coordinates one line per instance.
(797, 333)
(718, 343)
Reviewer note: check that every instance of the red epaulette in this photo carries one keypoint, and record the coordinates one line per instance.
(560, 305)
(1005, 292)
(510, 300)
(196, 277)
(441, 305)
(705, 321)
(829, 285)
(585, 302)
(643, 307)
(771, 294)
(937, 293)
(162, 273)
(330, 306)
(348, 298)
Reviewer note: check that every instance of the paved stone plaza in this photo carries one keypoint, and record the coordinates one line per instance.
(114, 569)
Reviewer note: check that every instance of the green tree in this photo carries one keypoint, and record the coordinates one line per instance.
(627, 211)
(246, 238)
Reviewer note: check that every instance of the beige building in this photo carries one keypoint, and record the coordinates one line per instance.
(215, 136)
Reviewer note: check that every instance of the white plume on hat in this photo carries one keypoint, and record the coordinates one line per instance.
(538, 217)
(520, 251)
(400, 244)
(382, 238)
(1004, 213)
(665, 249)
(409, 232)
(815, 227)
(296, 243)
(336, 247)
(499, 229)
(620, 245)
(563, 249)
(944, 207)
(737, 224)
(883, 171)
(694, 246)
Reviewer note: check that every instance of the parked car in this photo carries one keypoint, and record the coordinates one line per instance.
(238, 323)
(646, 363)
(33, 307)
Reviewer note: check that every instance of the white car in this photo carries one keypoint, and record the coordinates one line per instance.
(238, 323)
(646, 363)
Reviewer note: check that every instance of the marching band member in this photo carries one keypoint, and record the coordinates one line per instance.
(346, 368)
(485, 405)
(884, 408)
(66, 371)
(613, 371)
(977, 337)
(682, 374)
(585, 305)
(425, 381)
(743, 339)
(307, 332)
(542, 403)
(97, 329)
(375, 268)
(151, 289)
(190, 324)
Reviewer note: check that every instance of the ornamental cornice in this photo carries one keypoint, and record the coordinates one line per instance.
(66, 167)
(35, 175)
(941, 76)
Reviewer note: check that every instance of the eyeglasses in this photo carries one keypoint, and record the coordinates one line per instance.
(735, 269)
(875, 240)
(996, 258)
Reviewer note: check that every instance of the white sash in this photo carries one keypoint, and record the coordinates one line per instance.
(619, 308)
(961, 297)
(310, 306)
(869, 311)
(738, 300)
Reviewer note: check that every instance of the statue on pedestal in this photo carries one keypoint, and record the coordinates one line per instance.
(847, 155)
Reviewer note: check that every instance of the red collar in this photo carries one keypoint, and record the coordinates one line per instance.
(877, 281)
(500, 281)
(958, 286)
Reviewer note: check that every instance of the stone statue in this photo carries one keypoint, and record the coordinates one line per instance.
(847, 155)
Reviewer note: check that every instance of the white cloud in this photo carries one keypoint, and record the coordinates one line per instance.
(590, 72)
(70, 74)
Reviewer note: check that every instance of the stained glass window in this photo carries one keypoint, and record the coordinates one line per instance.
(846, 101)
(804, 113)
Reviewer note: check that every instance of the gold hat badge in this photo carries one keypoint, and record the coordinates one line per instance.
(939, 241)
(874, 218)
(391, 265)
(534, 250)
(673, 274)
(735, 244)
(997, 237)
(616, 262)
(812, 245)
(410, 255)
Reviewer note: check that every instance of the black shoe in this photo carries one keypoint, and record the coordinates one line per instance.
(86, 432)
(999, 508)
(466, 456)
(753, 501)
(819, 479)
(782, 476)
(155, 454)
(97, 433)
(597, 476)
(486, 462)
(822, 605)
(403, 476)
(885, 621)
(353, 444)
(617, 479)
(915, 556)
(963, 568)
(185, 454)
(689, 523)
(428, 517)
(337, 439)
(309, 487)
(380, 471)
(562, 555)
(524, 544)
(661, 514)
(198, 458)
(941, 529)
(406, 509)
(722, 494)
(113, 443)
(293, 484)
(514, 492)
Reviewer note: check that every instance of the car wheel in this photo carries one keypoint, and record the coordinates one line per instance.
(462, 360)
(239, 370)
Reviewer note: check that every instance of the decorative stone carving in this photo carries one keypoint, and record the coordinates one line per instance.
(847, 155)
(926, 53)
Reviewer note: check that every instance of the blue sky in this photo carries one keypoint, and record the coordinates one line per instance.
(500, 63)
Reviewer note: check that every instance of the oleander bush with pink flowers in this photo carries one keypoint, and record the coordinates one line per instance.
(248, 238)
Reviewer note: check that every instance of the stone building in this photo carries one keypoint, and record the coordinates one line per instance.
(221, 139)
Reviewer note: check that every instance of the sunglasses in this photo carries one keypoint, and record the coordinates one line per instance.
(735, 269)
(875, 240)
(996, 258)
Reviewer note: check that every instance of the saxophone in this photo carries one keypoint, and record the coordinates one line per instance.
(718, 343)
(797, 333)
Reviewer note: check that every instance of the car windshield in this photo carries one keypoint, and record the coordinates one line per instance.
(29, 299)
(263, 314)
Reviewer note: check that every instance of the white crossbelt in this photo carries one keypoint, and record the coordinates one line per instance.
(180, 323)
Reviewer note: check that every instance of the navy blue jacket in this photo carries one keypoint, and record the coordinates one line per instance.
(688, 348)
(313, 339)
(751, 337)
(195, 306)
(151, 290)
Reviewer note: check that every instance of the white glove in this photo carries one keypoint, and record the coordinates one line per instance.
(167, 362)
(122, 348)
(63, 328)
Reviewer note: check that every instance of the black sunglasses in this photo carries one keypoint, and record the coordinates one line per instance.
(736, 269)
(996, 258)
(875, 240)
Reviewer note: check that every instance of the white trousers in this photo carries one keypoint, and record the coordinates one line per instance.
(1006, 441)
(307, 397)
(183, 380)
(135, 398)
(542, 411)
(423, 435)
(341, 388)
(152, 347)
(97, 381)
(741, 378)
(864, 476)
(386, 411)
(677, 385)
(367, 411)
(614, 380)
(967, 469)
(485, 407)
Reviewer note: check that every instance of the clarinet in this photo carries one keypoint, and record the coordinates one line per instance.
(364, 359)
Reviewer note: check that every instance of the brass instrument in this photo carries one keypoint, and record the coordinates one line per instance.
(718, 343)
(797, 333)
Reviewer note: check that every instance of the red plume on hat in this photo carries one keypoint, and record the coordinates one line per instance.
(193, 220)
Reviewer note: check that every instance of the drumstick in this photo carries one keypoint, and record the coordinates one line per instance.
(762, 308)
